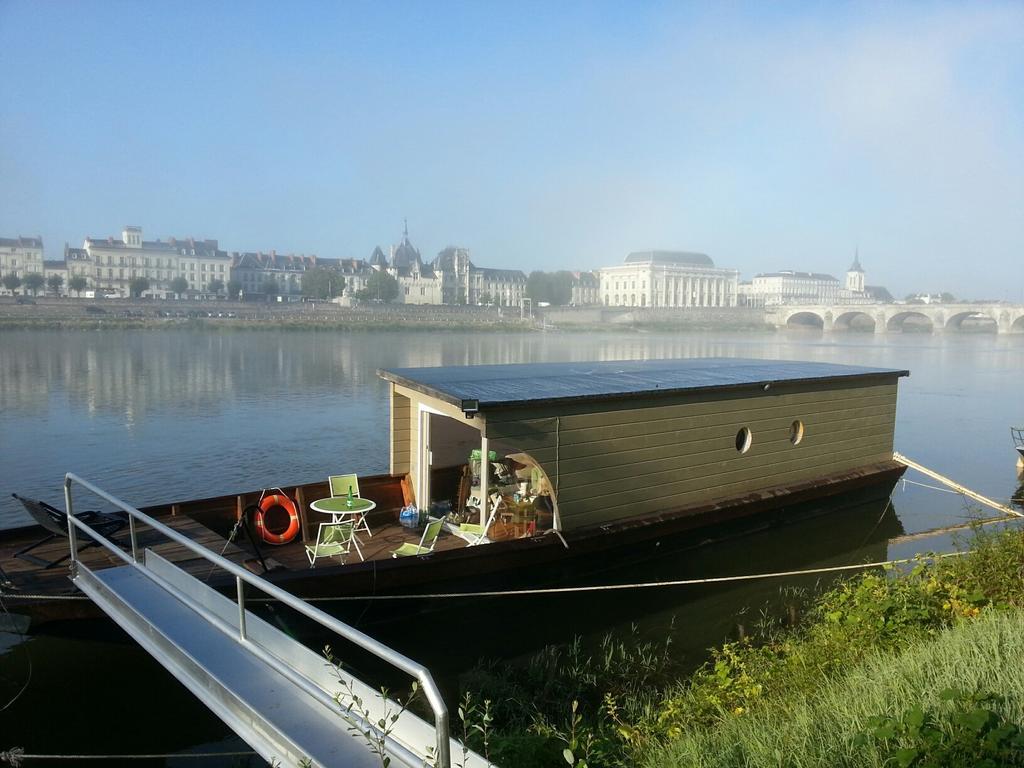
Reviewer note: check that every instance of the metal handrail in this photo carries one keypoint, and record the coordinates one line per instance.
(243, 576)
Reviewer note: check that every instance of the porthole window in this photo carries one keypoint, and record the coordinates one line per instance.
(744, 440)
(796, 432)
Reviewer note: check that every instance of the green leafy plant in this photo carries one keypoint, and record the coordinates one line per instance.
(376, 732)
(476, 723)
(970, 732)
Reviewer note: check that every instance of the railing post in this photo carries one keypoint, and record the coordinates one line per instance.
(240, 587)
(135, 541)
(72, 533)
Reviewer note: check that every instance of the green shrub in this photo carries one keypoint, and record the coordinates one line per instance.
(882, 641)
(972, 733)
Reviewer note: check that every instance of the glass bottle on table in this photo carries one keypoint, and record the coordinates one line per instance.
(348, 501)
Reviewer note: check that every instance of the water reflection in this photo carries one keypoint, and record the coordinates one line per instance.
(199, 412)
(152, 415)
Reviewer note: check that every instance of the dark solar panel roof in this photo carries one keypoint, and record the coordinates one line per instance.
(507, 385)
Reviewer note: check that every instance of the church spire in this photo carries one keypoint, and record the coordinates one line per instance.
(856, 267)
(405, 231)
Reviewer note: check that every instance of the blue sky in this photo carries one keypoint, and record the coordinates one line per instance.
(541, 136)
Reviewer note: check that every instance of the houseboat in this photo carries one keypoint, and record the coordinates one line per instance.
(538, 472)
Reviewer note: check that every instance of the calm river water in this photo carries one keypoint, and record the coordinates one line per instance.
(151, 415)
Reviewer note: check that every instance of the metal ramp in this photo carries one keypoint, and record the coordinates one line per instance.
(285, 700)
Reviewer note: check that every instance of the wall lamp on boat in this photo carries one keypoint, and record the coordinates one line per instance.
(470, 408)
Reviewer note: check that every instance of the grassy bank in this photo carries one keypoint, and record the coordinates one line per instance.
(837, 723)
(912, 668)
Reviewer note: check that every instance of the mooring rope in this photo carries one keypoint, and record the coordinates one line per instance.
(591, 588)
(955, 485)
(638, 585)
(16, 755)
(907, 482)
(925, 485)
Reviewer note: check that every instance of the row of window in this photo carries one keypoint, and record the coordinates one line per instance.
(745, 438)
(132, 261)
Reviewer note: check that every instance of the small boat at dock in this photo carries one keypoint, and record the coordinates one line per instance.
(539, 473)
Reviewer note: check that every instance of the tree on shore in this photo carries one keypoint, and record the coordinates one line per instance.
(322, 283)
(234, 289)
(380, 286)
(138, 286)
(216, 285)
(269, 288)
(12, 283)
(33, 282)
(178, 286)
(78, 284)
(553, 287)
(54, 282)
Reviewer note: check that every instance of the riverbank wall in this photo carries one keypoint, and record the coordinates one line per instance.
(660, 318)
(92, 314)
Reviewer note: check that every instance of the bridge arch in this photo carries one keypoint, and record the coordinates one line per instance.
(976, 321)
(910, 320)
(854, 320)
(1018, 325)
(804, 320)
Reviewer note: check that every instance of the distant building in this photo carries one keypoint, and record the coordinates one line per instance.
(771, 289)
(502, 287)
(20, 256)
(56, 268)
(418, 283)
(355, 272)
(254, 272)
(451, 278)
(787, 286)
(855, 276)
(456, 270)
(668, 279)
(78, 264)
(116, 262)
(586, 289)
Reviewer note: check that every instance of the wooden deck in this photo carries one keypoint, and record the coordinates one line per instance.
(26, 576)
(19, 576)
(386, 539)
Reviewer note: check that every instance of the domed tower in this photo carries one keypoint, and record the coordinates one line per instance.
(855, 275)
(405, 254)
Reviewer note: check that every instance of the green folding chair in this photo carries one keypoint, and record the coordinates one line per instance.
(332, 540)
(474, 533)
(340, 486)
(427, 540)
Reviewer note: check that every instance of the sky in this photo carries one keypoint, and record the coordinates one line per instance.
(538, 135)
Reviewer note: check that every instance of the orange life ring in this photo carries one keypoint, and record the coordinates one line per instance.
(268, 503)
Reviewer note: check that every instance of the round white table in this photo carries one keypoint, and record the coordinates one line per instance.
(338, 508)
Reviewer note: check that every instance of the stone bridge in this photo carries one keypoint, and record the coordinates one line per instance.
(888, 318)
